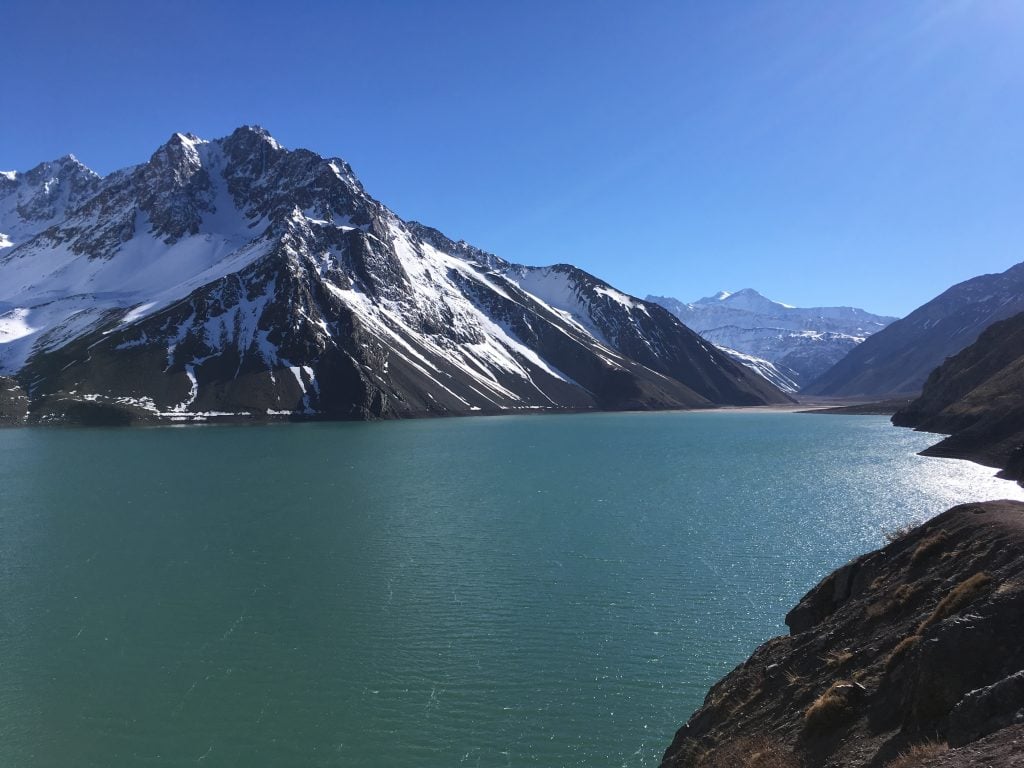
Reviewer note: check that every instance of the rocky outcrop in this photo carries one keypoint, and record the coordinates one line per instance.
(977, 398)
(898, 359)
(13, 403)
(914, 650)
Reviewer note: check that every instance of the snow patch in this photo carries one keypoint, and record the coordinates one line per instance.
(14, 325)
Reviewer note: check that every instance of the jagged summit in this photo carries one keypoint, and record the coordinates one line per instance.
(258, 132)
(33, 200)
(236, 276)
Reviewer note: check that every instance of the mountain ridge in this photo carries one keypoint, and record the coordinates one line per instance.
(898, 360)
(234, 277)
(791, 346)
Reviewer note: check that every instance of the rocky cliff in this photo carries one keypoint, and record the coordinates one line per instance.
(977, 398)
(909, 656)
(13, 403)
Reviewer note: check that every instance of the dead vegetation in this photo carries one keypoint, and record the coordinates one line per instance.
(895, 534)
(928, 547)
(1009, 587)
(918, 755)
(838, 659)
(963, 594)
(753, 752)
(896, 602)
(900, 650)
(833, 707)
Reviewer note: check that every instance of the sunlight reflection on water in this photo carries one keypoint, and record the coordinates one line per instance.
(540, 591)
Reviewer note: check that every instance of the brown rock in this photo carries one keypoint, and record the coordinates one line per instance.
(888, 653)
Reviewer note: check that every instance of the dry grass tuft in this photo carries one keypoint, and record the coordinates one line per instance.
(918, 755)
(1009, 587)
(897, 601)
(905, 594)
(900, 650)
(744, 701)
(895, 534)
(833, 707)
(928, 547)
(793, 678)
(838, 659)
(963, 594)
(878, 608)
(751, 752)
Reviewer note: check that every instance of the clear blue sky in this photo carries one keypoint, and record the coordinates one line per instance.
(864, 153)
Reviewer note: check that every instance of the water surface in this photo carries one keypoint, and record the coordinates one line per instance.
(526, 591)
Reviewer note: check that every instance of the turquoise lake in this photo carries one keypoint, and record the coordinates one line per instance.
(522, 591)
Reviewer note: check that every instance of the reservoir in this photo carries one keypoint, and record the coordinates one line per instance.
(526, 591)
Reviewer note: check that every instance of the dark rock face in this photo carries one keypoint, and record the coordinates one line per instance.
(32, 201)
(987, 710)
(13, 403)
(977, 398)
(283, 290)
(898, 359)
(916, 643)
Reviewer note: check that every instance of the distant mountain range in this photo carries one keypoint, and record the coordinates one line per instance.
(790, 346)
(898, 360)
(235, 277)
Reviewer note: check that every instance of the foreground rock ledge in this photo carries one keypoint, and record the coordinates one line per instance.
(912, 655)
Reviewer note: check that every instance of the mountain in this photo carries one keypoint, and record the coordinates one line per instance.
(977, 398)
(32, 201)
(908, 657)
(897, 360)
(790, 346)
(235, 277)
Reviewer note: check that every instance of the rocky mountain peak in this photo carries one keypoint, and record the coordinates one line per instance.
(254, 134)
(746, 299)
(65, 167)
(32, 201)
(176, 161)
(237, 277)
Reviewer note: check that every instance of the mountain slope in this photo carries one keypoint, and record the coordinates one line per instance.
(790, 346)
(236, 277)
(897, 360)
(977, 398)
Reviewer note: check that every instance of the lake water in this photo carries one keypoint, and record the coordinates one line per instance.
(525, 591)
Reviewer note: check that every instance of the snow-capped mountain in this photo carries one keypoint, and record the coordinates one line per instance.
(32, 201)
(790, 346)
(236, 277)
